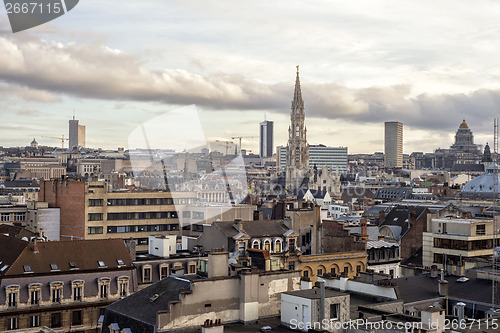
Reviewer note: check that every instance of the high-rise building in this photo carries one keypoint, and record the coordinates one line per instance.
(334, 158)
(266, 138)
(297, 156)
(76, 134)
(393, 144)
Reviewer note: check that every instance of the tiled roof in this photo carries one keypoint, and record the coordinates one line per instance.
(271, 228)
(47, 257)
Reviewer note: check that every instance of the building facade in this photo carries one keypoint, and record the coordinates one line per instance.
(266, 138)
(61, 285)
(393, 144)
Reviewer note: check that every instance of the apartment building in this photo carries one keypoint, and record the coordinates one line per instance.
(90, 210)
(61, 285)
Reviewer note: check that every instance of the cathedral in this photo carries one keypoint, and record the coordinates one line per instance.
(299, 174)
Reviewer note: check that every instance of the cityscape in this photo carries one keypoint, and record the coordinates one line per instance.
(271, 198)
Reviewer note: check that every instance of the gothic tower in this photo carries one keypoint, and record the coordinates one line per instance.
(297, 150)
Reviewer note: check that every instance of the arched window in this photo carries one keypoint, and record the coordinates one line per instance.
(278, 245)
(256, 244)
(267, 245)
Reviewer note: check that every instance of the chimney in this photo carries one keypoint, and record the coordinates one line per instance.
(218, 263)
(41, 232)
(364, 228)
(35, 247)
(381, 216)
(460, 311)
(238, 225)
(443, 288)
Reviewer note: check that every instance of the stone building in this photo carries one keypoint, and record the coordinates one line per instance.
(62, 285)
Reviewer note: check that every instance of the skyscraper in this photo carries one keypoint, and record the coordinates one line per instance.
(76, 134)
(393, 144)
(266, 138)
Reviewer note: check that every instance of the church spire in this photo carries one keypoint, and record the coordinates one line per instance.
(297, 103)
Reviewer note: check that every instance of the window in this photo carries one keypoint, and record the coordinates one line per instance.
(320, 272)
(95, 216)
(306, 274)
(53, 267)
(333, 271)
(101, 264)
(27, 269)
(334, 311)
(5, 217)
(146, 274)
(103, 290)
(198, 215)
(358, 269)
(120, 262)
(123, 286)
(95, 202)
(481, 229)
(192, 269)
(35, 295)
(77, 293)
(34, 321)
(95, 230)
(12, 295)
(277, 245)
(255, 244)
(267, 245)
(12, 323)
(76, 318)
(346, 270)
(291, 245)
(186, 214)
(56, 295)
(55, 319)
(103, 287)
(291, 265)
(163, 271)
(73, 265)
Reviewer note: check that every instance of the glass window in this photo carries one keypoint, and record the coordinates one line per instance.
(34, 321)
(76, 318)
(55, 319)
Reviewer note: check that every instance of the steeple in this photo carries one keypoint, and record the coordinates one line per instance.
(297, 103)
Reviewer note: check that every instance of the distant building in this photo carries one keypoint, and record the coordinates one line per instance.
(463, 152)
(266, 138)
(76, 134)
(334, 158)
(393, 144)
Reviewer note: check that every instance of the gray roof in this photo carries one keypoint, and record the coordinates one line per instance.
(484, 185)
(377, 244)
(140, 309)
(271, 228)
(314, 293)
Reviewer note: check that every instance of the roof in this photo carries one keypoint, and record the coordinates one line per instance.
(314, 293)
(270, 228)
(421, 287)
(47, 257)
(317, 194)
(483, 185)
(398, 216)
(143, 305)
(10, 249)
(377, 244)
(15, 231)
(468, 167)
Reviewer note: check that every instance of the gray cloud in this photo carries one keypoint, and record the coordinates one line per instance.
(39, 70)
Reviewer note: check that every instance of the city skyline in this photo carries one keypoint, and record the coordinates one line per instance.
(426, 65)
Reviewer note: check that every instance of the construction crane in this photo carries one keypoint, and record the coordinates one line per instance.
(62, 138)
(241, 137)
(225, 143)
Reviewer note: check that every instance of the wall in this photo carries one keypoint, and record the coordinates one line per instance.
(343, 284)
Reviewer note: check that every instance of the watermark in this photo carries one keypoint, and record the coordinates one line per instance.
(26, 14)
(408, 326)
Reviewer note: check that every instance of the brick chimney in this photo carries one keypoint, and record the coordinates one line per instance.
(238, 224)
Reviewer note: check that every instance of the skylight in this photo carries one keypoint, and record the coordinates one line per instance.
(54, 267)
(27, 269)
(4, 268)
(72, 265)
(120, 262)
(101, 263)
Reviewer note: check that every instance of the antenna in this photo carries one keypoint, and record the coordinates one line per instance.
(73, 114)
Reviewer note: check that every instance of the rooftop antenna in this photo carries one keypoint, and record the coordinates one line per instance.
(73, 114)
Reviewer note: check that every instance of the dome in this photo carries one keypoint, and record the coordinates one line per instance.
(463, 125)
(483, 186)
(34, 142)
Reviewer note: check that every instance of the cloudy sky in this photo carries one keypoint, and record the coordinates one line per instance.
(117, 64)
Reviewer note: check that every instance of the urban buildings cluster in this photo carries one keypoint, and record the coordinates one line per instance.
(158, 240)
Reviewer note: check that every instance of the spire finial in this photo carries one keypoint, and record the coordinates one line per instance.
(297, 69)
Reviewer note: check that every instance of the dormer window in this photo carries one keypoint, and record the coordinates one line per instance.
(72, 265)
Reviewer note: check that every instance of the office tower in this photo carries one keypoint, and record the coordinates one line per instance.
(334, 158)
(266, 138)
(393, 144)
(76, 134)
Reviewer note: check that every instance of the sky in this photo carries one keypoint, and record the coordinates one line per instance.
(119, 64)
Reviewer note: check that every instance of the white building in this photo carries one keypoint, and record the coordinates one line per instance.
(393, 144)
